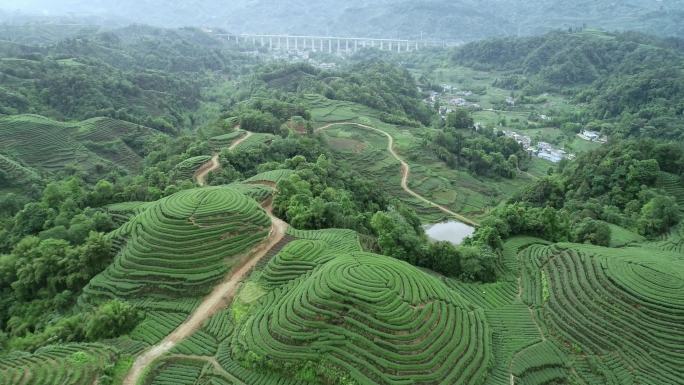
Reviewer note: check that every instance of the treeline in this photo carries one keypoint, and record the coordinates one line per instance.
(50, 249)
(618, 184)
(632, 84)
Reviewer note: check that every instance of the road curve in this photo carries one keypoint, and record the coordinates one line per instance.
(405, 171)
(214, 164)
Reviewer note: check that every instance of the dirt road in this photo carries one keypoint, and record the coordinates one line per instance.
(214, 164)
(239, 141)
(405, 172)
(219, 298)
(202, 172)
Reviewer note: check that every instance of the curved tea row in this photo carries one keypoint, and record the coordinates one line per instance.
(380, 320)
(628, 303)
(181, 246)
(74, 364)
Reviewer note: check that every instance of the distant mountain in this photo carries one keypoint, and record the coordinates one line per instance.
(443, 19)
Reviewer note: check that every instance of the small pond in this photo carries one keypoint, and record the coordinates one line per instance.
(452, 231)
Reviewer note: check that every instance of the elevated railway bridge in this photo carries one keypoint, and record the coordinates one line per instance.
(331, 44)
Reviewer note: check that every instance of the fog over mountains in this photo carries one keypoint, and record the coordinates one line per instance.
(442, 19)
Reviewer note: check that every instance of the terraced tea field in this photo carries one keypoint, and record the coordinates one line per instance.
(315, 309)
(377, 319)
(73, 364)
(180, 246)
(322, 311)
(635, 329)
(15, 173)
(187, 168)
(48, 145)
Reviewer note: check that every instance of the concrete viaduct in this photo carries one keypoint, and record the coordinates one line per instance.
(339, 45)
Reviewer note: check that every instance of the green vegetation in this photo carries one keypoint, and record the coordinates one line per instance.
(112, 260)
(208, 226)
(631, 83)
(116, 74)
(366, 152)
(92, 147)
(187, 168)
(482, 153)
(78, 364)
(415, 324)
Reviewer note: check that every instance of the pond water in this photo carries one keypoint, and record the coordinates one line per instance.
(452, 231)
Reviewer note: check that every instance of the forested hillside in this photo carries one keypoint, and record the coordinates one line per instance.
(115, 74)
(632, 84)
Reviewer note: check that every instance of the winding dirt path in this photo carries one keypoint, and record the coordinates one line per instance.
(205, 169)
(405, 172)
(219, 298)
(239, 141)
(214, 164)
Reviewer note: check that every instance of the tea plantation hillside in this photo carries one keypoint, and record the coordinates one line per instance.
(14, 174)
(74, 364)
(269, 220)
(174, 251)
(179, 246)
(47, 145)
(321, 311)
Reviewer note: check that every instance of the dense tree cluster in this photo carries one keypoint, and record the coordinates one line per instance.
(375, 83)
(616, 184)
(482, 151)
(326, 194)
(401, 235)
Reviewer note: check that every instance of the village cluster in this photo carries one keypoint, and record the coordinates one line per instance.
(455, 98)
(542, 150)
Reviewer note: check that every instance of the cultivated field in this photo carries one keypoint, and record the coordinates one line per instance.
(48, 145)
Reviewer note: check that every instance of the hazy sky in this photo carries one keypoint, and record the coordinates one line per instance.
(449, 19)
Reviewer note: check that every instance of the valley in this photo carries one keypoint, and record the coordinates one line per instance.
(179, 210)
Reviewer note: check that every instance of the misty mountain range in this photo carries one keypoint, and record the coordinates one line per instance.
(438, 19)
